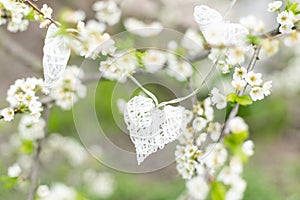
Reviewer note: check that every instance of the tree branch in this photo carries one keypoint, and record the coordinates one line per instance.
(36, 160)
(235, 109)
(33, 6)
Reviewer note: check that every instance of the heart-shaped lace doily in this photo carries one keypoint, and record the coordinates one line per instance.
(150, 127)
(56, 56)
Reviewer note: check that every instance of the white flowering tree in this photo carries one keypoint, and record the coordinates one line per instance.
(211, 151)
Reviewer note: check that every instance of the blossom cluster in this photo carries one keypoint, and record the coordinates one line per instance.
(16, 13)
(107, 12)
(205, 164)
(23, 97)
(124, 64)
(92, 40)
(69, 88)
(286, 19)
(242, 78)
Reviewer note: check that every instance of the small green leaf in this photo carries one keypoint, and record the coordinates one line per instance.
(297, 12)
(237, 138)
(293, 7)
(8, 182)
(139, 55)
(27, 147)
(231, 97)
(255, 40)
(218, 191)
(244, 100)
(30, 15)
(234, 142)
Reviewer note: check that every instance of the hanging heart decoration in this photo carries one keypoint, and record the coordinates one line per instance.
(150, 127)
(56, 56)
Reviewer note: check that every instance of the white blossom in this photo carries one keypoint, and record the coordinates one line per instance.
(253, 24)
(267, 86)
(286, 28)
(248, 147)
(69, 88)
(8, 114)
(199, 123)
(223, 66)
(102, 185)
(107, 12)
(154, 60)
(257, 93)
(269, 47)
(201, 139)
(238, 187)
(239, 84)
(30, 128)
(218, 99)
(14, 170)
(73, 16)
(237, 125)
(192, 42)
(285, 17)
(47, 11)
(239, 73)
(198, 188)
(93, 40)
(141, 28)
(121, 104)
(181, 70)
(120, 67)
(253, 79)
(286, 20)
(274, 6)
(42, 191)
(216, 155)
(236, 55)
(59, 191)
(214, 129)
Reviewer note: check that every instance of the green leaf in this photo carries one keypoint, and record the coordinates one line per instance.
(244, 100)
(8, 182)
(293, 7)
(231, 97)
(255, 40)
(297, 12)
(218, 191)
(237, 138)
(139, 55)
(234, 142)
(30, 15)
(27, 147)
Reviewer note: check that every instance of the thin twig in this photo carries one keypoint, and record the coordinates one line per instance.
(33, 6)
(36, 160)
(235, 109)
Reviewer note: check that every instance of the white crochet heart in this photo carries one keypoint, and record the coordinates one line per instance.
(150, 127)
(206, 16)
(56, 56)
(212, 24)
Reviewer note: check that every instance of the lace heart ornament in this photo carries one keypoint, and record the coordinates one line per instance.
(211, 22)
(56, 56)
(150, 127)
